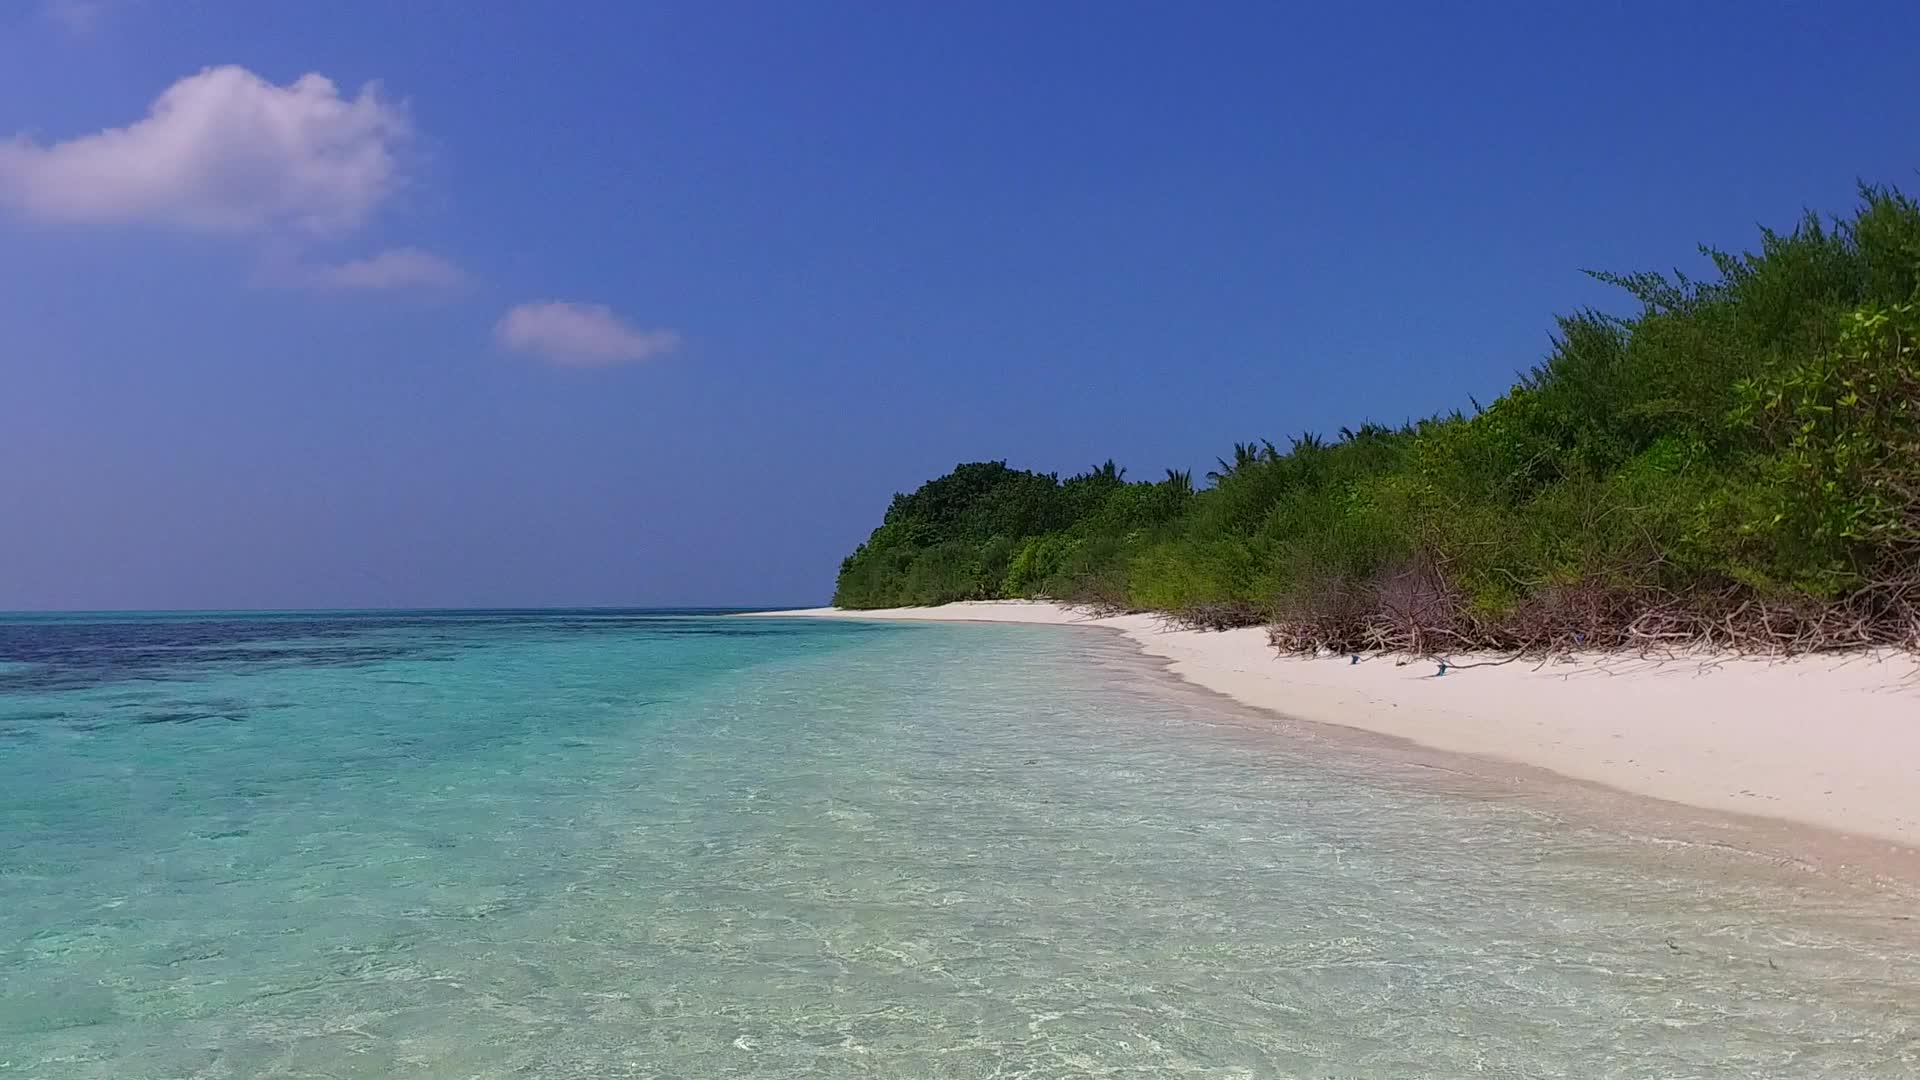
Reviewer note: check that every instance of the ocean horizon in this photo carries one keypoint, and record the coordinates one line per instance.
(605, 842)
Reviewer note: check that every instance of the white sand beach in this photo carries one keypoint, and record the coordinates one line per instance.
(1827, 741)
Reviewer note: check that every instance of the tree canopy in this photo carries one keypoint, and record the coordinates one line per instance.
(1737, 462)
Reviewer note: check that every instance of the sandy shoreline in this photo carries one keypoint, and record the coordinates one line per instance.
(1827, 742)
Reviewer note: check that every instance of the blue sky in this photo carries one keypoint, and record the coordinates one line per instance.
(658, 304)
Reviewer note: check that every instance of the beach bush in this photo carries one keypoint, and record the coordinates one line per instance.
(1735, 462)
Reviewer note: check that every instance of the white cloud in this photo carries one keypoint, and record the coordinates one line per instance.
(395, 268)
(223, 150)
(579, 335)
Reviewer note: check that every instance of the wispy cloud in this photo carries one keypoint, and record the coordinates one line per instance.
(223, 150)
(580, 335)
(77, 17)
(393, 269)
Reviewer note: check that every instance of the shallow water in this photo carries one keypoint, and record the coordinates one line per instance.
(592, 845)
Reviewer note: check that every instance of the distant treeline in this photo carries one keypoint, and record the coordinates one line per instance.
(1738, 464)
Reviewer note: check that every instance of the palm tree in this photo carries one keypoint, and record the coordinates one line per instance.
(1244, 454)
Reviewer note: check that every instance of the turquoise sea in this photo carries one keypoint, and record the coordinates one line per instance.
(616, 844)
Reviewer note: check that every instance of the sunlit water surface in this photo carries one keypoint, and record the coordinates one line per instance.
(594, 845)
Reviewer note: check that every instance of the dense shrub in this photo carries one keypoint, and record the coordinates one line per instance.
(1738, 461)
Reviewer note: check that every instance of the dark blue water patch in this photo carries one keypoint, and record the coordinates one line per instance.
(186, 716)
(32, 716)
(87, 650)
(71, 652)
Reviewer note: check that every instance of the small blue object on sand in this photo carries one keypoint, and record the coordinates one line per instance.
(1442, 671)
(1353, 659)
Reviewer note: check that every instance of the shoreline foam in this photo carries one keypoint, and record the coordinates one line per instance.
(1829, 742)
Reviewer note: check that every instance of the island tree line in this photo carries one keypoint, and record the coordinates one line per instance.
(1737, 464)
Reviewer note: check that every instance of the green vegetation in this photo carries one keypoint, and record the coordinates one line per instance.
(1738, 464)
